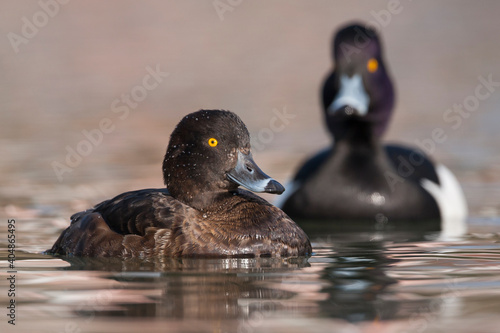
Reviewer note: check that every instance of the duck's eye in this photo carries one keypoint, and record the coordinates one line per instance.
(212, 142)
(372, 65)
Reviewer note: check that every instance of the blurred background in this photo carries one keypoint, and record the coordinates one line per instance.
(90, 90)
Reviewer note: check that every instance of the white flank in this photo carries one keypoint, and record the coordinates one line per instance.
(451, 202)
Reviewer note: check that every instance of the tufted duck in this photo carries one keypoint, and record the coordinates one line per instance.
(202, 212)
(359, 178)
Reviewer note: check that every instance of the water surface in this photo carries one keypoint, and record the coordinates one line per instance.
(353, 283)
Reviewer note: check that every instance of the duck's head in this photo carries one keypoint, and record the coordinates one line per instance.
(359, 89)
(208, 155)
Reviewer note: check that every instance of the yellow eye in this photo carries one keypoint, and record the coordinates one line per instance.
(212, 142)
(372, 65)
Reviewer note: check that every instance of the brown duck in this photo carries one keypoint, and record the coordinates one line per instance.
(202, 212)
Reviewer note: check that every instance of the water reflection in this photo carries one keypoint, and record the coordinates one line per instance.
(344, 280)
(352, 279)
(356, 281)
(196, 288)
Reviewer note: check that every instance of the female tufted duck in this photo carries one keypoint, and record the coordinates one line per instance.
(358, 178)
(202, 212)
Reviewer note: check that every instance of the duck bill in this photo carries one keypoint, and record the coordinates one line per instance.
(250, 176)
(352, 97)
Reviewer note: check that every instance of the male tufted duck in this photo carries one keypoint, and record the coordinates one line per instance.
(202, 212)
(359, 178)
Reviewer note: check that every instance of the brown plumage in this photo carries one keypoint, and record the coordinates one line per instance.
(202, 214)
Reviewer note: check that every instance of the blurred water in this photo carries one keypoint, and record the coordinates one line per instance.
(352, 283)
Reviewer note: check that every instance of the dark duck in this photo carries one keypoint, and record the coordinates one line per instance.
(359, 178)
(202, 212)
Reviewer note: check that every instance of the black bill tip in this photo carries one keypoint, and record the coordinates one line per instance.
(274, 187)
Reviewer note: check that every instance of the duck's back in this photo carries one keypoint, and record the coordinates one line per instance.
(122, 226)
(133, 212)
(152, 223)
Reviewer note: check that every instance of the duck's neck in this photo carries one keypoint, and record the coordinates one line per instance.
(359, 158)
(355, 133)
